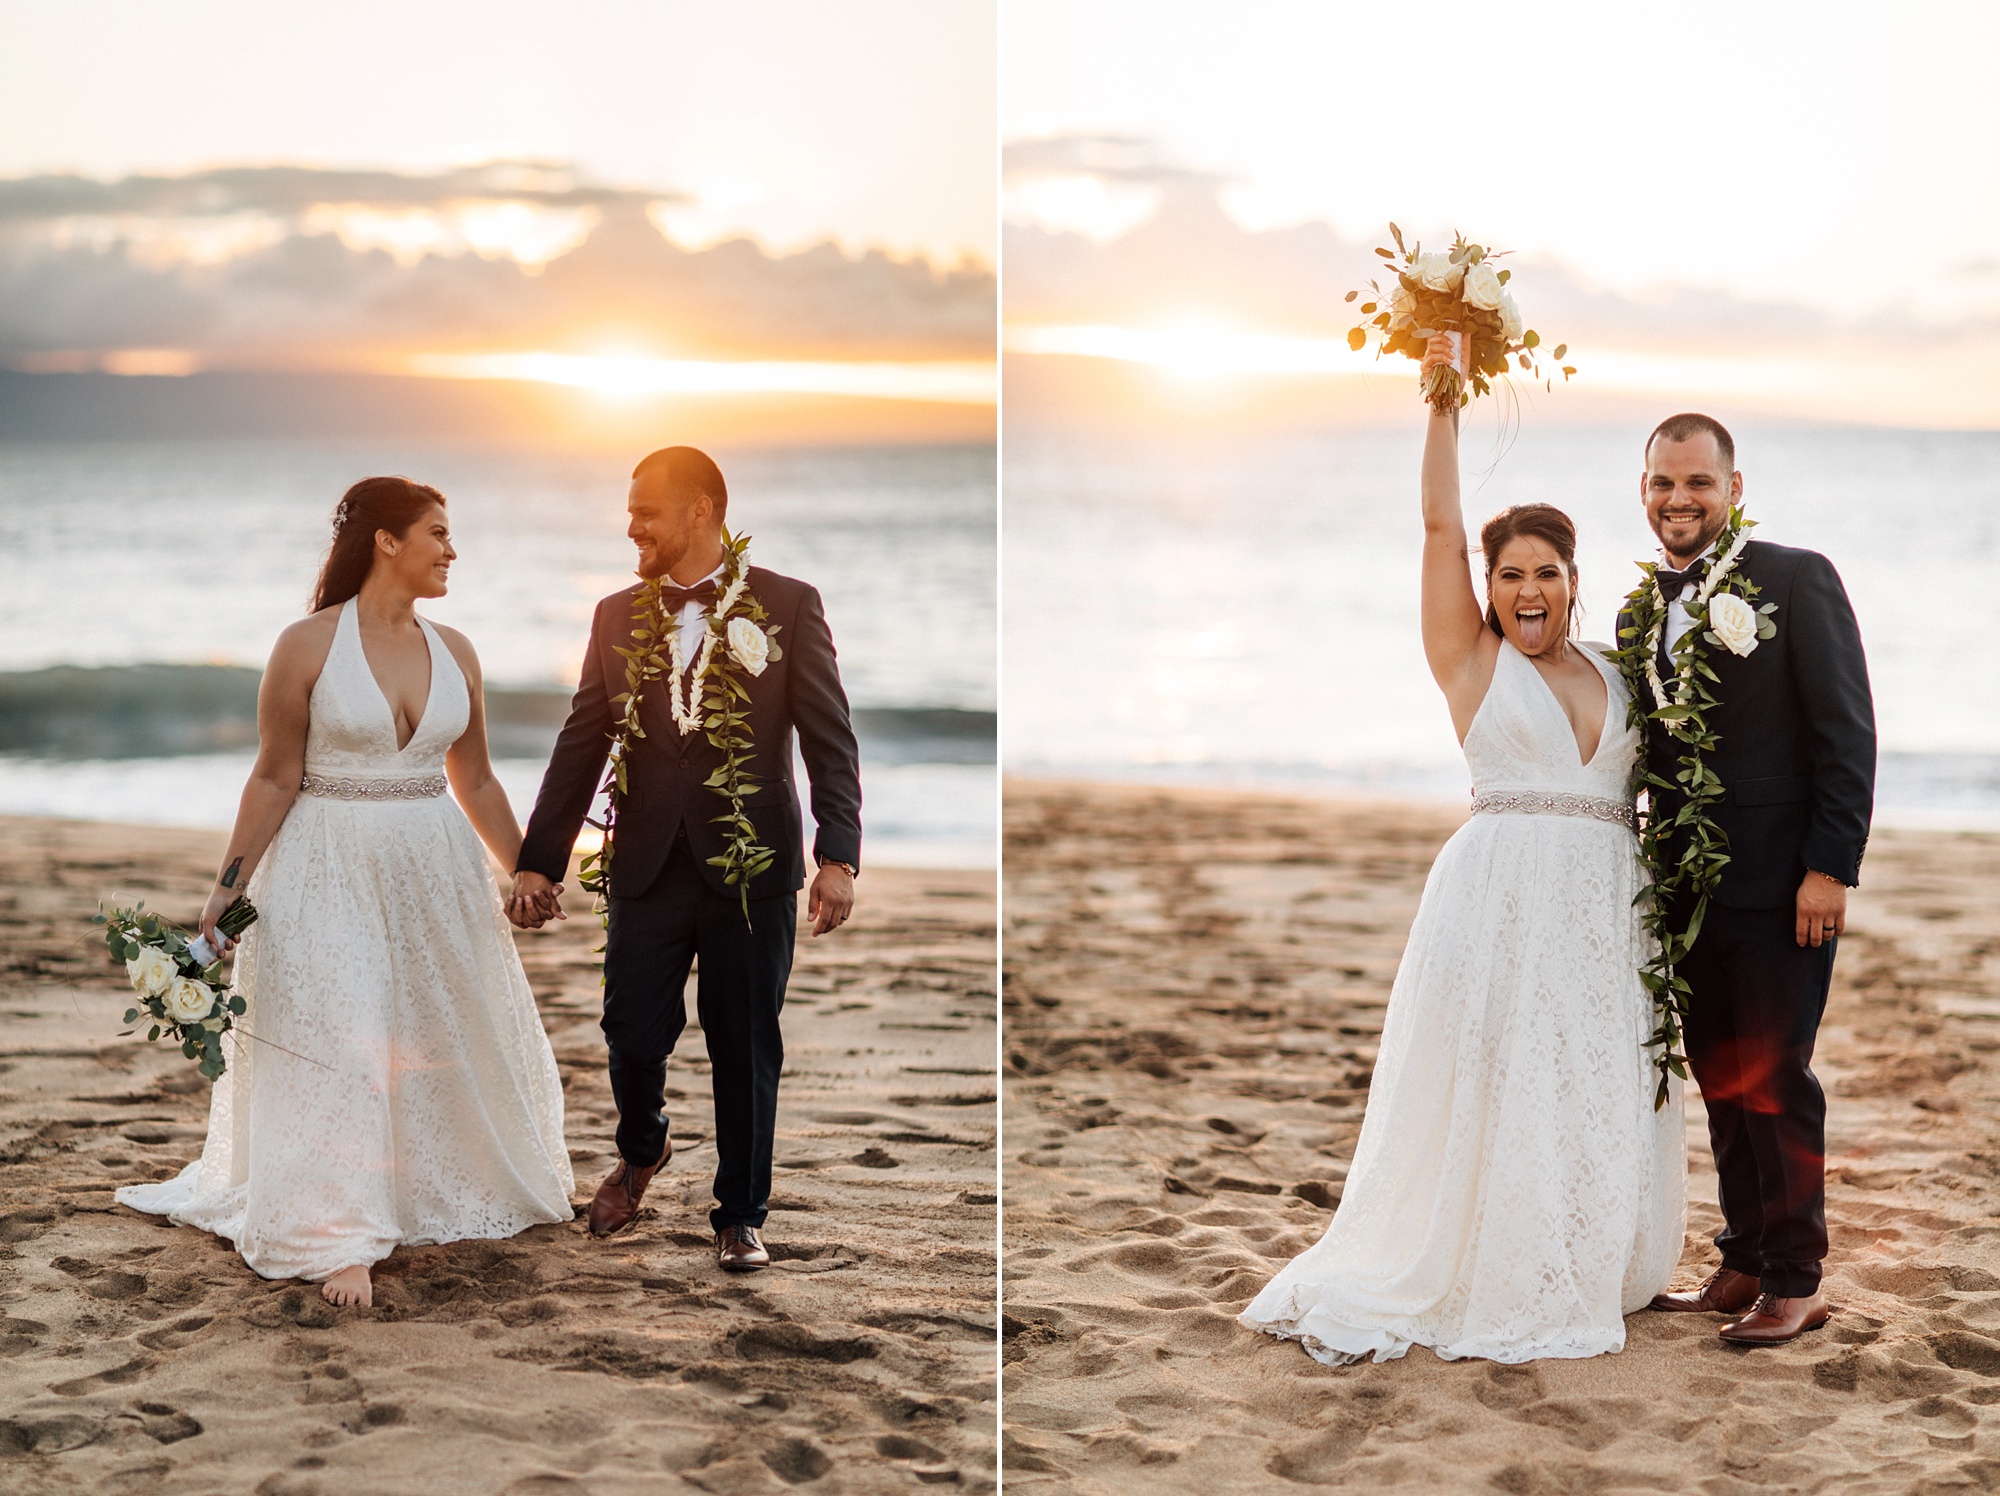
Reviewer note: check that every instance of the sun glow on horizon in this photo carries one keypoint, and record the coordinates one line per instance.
(1933, 388)
(944, 381)
(1193, 348)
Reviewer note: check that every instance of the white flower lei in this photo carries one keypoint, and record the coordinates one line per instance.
(685, 699)
(721, 715)
(1717, 574)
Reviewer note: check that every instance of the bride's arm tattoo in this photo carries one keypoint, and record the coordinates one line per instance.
(228, 879)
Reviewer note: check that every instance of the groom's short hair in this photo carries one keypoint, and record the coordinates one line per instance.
(688, 472)
(1686, 427)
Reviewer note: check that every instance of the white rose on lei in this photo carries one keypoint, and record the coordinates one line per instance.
(1510, 318)
(188, 1001)
(1483, 288)
(749, 644)
(1436, 272)
(1734, 622)
(152, 971)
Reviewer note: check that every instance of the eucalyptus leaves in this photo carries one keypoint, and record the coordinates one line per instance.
(1458, 291)
(179, 995)
(1685, 852)
(707, 694)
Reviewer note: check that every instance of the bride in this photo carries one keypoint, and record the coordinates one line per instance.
(398, 1088)
(1514, 1193)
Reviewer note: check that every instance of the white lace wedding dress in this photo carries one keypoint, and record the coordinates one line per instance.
(403, 1091)
(1513, 1193)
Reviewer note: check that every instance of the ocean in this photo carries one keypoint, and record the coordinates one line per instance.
(138, 560)
(1244, 611)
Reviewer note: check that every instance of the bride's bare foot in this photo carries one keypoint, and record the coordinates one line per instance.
(351, 1285)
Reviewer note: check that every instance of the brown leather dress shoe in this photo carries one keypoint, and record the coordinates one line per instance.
(1726, 1292)
(617, 1199)
(1776, 1321)
(738, 1250)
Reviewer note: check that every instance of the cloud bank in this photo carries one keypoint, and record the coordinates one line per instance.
(1103, 232)
(293, 266)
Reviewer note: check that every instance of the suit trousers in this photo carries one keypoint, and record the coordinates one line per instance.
(655, 937)
(1754, 1008)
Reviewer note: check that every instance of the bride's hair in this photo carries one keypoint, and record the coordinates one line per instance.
(1544, 522)
(392, 504)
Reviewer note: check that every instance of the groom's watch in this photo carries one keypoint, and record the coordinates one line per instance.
(852, 870)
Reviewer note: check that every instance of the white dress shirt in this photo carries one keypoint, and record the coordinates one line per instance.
(1678, 621)
(692, 617)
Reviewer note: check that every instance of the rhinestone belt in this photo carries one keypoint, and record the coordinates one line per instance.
(428, 788)
(1544, 803)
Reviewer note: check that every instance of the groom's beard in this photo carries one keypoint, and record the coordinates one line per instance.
(1709, 535)
(660, 560)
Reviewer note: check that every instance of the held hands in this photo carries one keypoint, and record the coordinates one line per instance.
(534, 900)
(1822, 910)
(831, 898)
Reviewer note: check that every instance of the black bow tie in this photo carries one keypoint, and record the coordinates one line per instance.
(1674, 583)
(673, 598)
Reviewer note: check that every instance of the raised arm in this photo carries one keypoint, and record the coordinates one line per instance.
(284, 713)
(469, 766)
(1458, 646)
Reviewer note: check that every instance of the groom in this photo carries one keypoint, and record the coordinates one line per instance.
(1795, 751)
(669, 903)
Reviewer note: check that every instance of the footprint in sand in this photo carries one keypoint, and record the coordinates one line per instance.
(784, 1340)
(1507, 1388)
(18, 1226)
(796, 1461)
(99, 1281)
(1949, 1424)
(117, 1376)
(330, 1382)
(903, 1447)
(374, 1416)
(18, 1336)
(136, 1480)
(1964, 1351)
(1323, 1458)
(172, 1337)
(167, 1424)
(57, 1435)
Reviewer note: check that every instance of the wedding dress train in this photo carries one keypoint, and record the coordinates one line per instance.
(1513, 1193)
(399, 1088)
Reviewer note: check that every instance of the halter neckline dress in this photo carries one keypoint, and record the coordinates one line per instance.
(399, 1088)
(1513, 1193)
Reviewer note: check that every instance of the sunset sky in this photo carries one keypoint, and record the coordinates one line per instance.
(633, 199)
(868, 123)
(1789, 208)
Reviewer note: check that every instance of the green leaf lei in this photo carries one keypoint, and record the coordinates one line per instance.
(724, 717)
(1681, 704)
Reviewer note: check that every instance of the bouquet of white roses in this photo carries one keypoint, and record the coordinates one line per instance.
(179, 981)
(1460, 292)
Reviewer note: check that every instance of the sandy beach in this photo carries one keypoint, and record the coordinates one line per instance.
(1195, 986)
(139, 1357)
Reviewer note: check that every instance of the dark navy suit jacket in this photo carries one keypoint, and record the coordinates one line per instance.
(665, 794)
(1797, 729)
